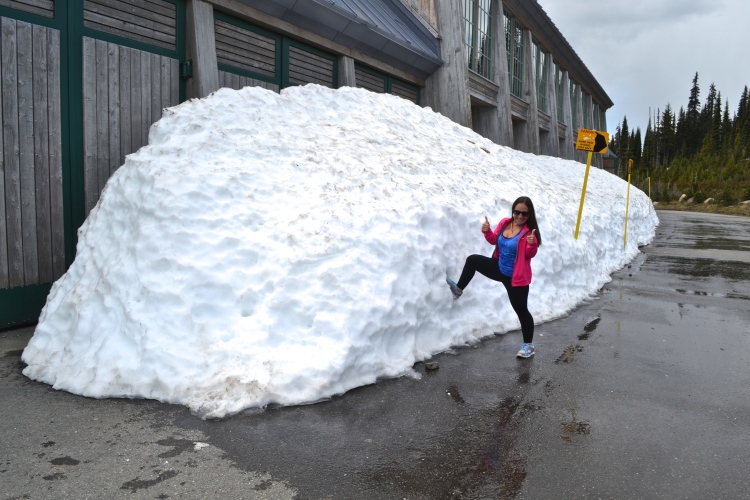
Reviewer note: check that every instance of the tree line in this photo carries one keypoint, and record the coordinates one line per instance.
(701, 151)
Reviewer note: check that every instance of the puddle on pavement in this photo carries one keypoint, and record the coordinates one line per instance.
(698, 268)
(452, 391)
(589, 328)
(574, 427)
(568, 354)
(721, 244)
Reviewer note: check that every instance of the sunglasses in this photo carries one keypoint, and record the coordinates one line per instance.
(522, 214)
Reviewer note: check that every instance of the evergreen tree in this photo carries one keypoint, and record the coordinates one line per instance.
(727, 131)
(681, 133)
(625, 154)
(692, 120)
(707, 113)
(716, 125)
(742, 124)
(649, 147)
(667, 136)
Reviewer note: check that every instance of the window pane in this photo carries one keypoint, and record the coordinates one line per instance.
(518, 46)
(542, 80)
(508, 44)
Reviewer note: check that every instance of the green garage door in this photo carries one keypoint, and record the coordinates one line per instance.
(82, 81)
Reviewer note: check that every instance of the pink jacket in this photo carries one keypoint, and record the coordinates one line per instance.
(525, 252)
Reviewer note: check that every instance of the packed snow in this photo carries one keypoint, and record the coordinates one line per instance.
(283, 248)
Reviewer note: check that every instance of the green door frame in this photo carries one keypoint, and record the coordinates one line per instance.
(22, 305)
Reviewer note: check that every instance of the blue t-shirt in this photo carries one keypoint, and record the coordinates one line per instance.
(507, 249)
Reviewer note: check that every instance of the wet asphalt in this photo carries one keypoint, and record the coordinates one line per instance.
(642, 392)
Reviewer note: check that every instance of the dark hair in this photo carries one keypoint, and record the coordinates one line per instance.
(531, 221)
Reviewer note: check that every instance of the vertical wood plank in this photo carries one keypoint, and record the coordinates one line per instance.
(174, 82)
(125, 125)
(11, 153)
(236, 82)
(90, 181)
(102, 117)
(135, 100)
(156, 81)
(145, 86)
(41, 154)
(113, 74)
(3, 229)
(166, 84)
(26, 151)
(55, 154)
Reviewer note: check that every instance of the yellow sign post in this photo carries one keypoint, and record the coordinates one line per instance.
(592, 141)
(627, 205)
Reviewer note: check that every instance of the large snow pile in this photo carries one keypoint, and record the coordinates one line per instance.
(268, 248)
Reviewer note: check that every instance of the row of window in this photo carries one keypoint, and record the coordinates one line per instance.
(479, 38)
(272, 59)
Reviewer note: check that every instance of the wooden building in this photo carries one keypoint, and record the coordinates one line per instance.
(83, 80)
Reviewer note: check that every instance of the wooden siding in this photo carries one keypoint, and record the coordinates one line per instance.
(369, 81)
(245, 49)
(407, 93)
(306, 67)
(149, 21)
(124, 92)
(424, 9)
(237, 82)
(31, 204)
(44, 8)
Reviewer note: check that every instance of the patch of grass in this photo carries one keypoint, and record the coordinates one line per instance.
(711, 208)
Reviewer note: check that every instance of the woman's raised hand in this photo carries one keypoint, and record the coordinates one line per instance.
(530, 238)
(485, 225)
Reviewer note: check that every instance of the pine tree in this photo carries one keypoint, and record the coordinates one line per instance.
(625, 154)
(681, 133)
(692, 120)
(707, 113)
(716, 125)
(742, 124)
(667, 135)
(649, 147)
(727, 131)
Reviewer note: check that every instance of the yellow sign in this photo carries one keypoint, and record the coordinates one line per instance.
(592, 140)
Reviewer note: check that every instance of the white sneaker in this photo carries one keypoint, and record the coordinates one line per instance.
(526, 351)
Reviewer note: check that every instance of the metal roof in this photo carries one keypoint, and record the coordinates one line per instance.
(382, 29)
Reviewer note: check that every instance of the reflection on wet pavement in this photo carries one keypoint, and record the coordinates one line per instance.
(698, 268)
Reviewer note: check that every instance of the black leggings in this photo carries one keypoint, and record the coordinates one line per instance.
(518, 295)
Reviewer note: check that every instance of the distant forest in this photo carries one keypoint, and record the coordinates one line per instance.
(700, 151)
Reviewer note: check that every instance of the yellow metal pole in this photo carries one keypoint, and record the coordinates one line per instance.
(627, 205)
(583, 194)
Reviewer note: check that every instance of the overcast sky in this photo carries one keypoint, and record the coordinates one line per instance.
(644, 53)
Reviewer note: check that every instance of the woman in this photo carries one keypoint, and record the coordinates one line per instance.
(516, 241)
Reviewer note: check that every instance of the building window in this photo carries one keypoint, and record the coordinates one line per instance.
(478, 16)
(375, 81)
(540, 74)
(597, 115)
(574, 103)
(559, 93)
(514, 48)
(586, 107)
